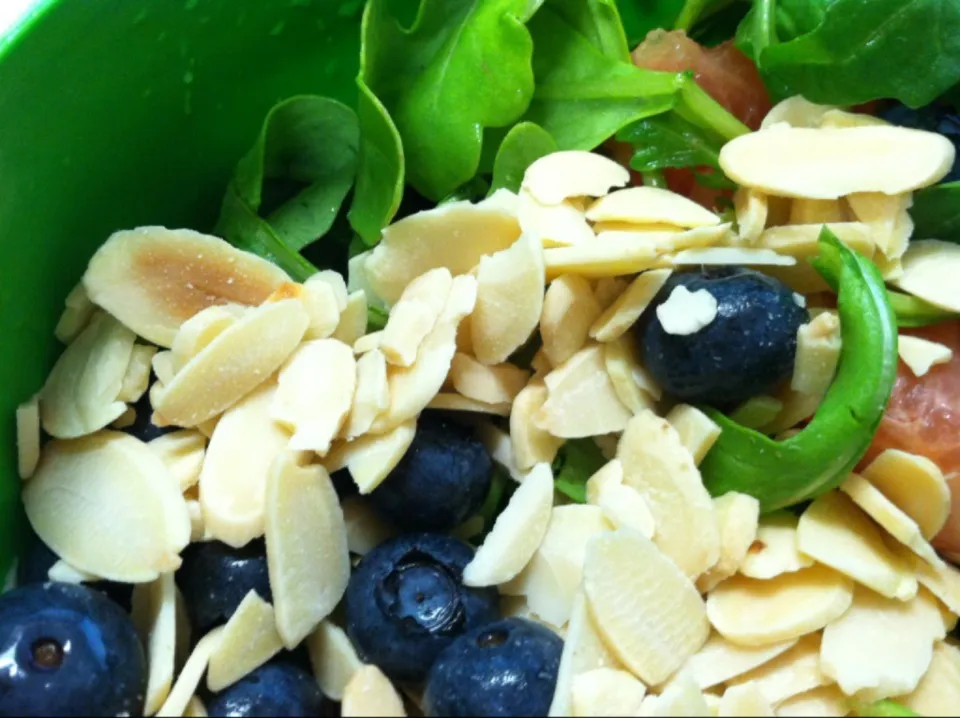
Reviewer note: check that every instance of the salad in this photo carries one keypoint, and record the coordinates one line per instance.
(602, 360)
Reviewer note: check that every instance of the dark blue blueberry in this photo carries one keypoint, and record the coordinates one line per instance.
(406, 602)
(143, 428)
(507, 668)
(68, 651)
(441, 481)
(274, 690)
(215, 578)
(745, 351)
(937, 117)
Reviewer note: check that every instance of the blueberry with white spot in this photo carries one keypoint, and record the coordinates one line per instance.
(441, 481)
(508, 668)
(746, 351)
(68, 651)
(274, 690)
(215, 578)
(406, 602)
(937, 117)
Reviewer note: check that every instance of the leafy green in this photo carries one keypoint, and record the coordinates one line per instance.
(914, 312)
(501, 489)
(847, 52)
(642, 16)
(523, 145)
(599, 22)
(376, 318)
(720, 24)
(577, 461)
(883, 709)
(936, 212)
(694, 10)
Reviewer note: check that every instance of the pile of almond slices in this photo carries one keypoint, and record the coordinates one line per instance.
(670, 602)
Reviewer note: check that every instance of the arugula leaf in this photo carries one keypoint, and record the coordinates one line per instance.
(523, 145)
(641, 16)
(577, 461)
(598, 21)
(847, 52)
(720, 24)
(936, 212)
(695, 10)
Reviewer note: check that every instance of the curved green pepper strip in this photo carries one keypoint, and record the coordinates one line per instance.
(782, 473)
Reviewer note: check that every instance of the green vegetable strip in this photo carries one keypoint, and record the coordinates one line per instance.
(782, 473)
(884, 709)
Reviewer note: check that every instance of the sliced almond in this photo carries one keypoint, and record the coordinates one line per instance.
(125, 420)
(28, 437)
(921, 355)
(162, 364)
(190, 675)
(797, 406)
(608, 289)
(414, 316)
(938, 693)
(569, 309)
(456, 402)
(421, 242)
(629, 306)
(315, 393)
(233, 364)
(333, 658)
(737, 517)
(63, 572)
(631, 383)
(365, 528)
(249, 640)
(234, 476)
(195, 709)
(650, 205)
(817, 211)
(800, 241)
(372, 395)
(887, 217)
(940, 578)
(106, 505)
(720, 661)
(881, 647)
(353, 319)
(307, 554)
(197, 332)
(680, 697)
(796, 112)
(610, 474)
(833, 163)
(517, 533)
(153, 279)
(752, 209)
(697, 431)
(818, 352)
(136, 379)
(791, 673)
(371, 458)
(369, 693)
(80, 395)
(659, 466)
(198, 532)
(625, 508)
(614, 257)
(574, 173)
(750, 612)
(335, 281)
(606, 692)
(915, 484)
(720, 256)
(488, 384)
(745, 700)
(823, 702)
(76, 315)
(775, 551)
(182, 452)
(322, 301)
(367, 343)
(531, 444)
(838, 534)
(837, 118)
(558, 225)
(663, 623)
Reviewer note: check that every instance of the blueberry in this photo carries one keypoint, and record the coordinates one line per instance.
(142, 427)
(215, 578)
(68, 651)
(937, 117)
(507, 668)
(441, 481)
(275, 689)
(745, 351)
(406, 602)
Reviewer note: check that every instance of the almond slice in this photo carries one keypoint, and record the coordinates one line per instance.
(517, 533)
(881, 647)
(371, 458)
(938, 692)
(370, 693)
(650, 205)
(182, 452)
(367, 343)
(776, 550)
(531, 444)
(698, 432)
(818, 352)
(800, 241)
(837, 118)
(737, 517)
(80, 395)
(940, 578)
(749, 612)
(574, 173)
(106, 505)
(234, 476)
(625, 508)
(615, 256)
(78, 311)
(497, 443)
(569, 310)
(608, 475)
(28, 437)
(234, 363)
(752, 210)
(315, 393)
(333, 658)
(189, 679)
(414, 315)
(720, 661)
(826, 701)
(126, 419)
(198, 531)
(606, 692)
(663, 623)
(920, 355)
(153, 279)
(745, 700)
(634, 387)
(335, 281)
(608, 289)
(365, 528)
(660, 467)
(833, 163)
(136, 379)
(195, 709)
(558, 225)
(353, 320)
(837, 534)
(162, 364)
(916, 485)
(455, 402)
(680, 697)
(629, 306)
(888, 219)
(65, 573)
(497, 384)
(249, 640)
(796, 112)
(197, 332)
(817, 211)
(791, 673)
(372, 395)
(323, 303)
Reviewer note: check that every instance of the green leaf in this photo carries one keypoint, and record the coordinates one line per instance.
(914, 312)
(599, 22)
(936, 212)
(883, 709)
(721, 24)
(576, 462)
(523, 145)
(376, 318)
(642, 16)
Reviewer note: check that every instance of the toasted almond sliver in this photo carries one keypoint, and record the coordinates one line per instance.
(817, 211)
(745, 700)
(516, 534)
(323, 303)
(78, 311)
(154, 615)
(881, 647)
(634, 387)
(28, 437)
(371, 458)
(569, 309)
(835, 532)
(488, 384)
(80, 395)
(662, 625)
(333, 658)
(307, 554)
(137, 377)
(608, 289)
(938, 693)
(614, 257)
(718, 256)
(531, 444)
(650, 205)
(106, 505)
(629, 306)
(189, 679)
(698, 432)
(796, 112)
(414, 316)
(823, 702)
(455, 402)
(607, 692)
(818, 351)
(234, 475)
(775, 550)
(927, 270)
(234, 364)
(353, 319)
(315, 391)
(752, 209)
(197, 332)
(836, 118)
(884, 214)
(574, 173)
(920, 355)
(369, 693)
(791, 673)
(558, 225)
(249, 640)
(372, 395)
(182, 452)
(750, 612)
(656, 464)
(915, 484)
(737, 517)
(720, 661)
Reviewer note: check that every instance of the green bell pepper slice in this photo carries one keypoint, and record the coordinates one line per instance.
(819, 458)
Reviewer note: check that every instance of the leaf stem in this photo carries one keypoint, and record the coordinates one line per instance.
(764, 25)
(696, 106)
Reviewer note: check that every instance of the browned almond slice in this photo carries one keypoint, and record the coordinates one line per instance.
(774, 550)
(190, 675)
(249, 640)
(197, 332)
(234, 364)
(650, 205)
(234, 476)
(569, 310)
(315, 393)
(488, 384)
(76, 315)
(153, 279)
(414, 316)
(796, 112)
(608, 289)
(372, 395)
(353, 319)
(558, 225)
(509, 300)
(369, 693)
(531, 444)
(137, 377)
(80, 395)
(626, 310)
(573, 173)
(28, 437)
(614, 257)
(106, 505)
(371, 458)
(154, 614)
(751, 207)
(333, 658)
(456, 402)
(307, 554)
(321, 300)
(182, 453)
